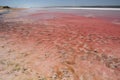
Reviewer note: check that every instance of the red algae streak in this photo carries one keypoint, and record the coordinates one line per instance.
(59, 46)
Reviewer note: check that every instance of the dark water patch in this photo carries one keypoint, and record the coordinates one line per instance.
(2, 15)
(4, 12)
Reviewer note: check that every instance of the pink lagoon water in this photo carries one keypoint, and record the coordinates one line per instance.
(60, 44)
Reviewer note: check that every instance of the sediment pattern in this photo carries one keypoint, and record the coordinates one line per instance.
(61, 47)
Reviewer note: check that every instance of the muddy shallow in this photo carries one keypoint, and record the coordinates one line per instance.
(55, 45)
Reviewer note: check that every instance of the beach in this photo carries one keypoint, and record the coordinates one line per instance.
(53, 44)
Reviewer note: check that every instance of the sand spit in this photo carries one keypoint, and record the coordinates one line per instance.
(90, 8)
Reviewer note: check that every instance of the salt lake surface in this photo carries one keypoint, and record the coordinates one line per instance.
(60, 44)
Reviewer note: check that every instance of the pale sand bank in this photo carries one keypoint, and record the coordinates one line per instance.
(91, 8)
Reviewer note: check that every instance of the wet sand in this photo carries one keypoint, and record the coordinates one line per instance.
(58, 46)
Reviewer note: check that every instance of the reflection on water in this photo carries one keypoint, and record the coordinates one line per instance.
(96, 13)
(112, 15)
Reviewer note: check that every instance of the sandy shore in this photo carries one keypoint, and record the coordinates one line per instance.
(58, 46)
